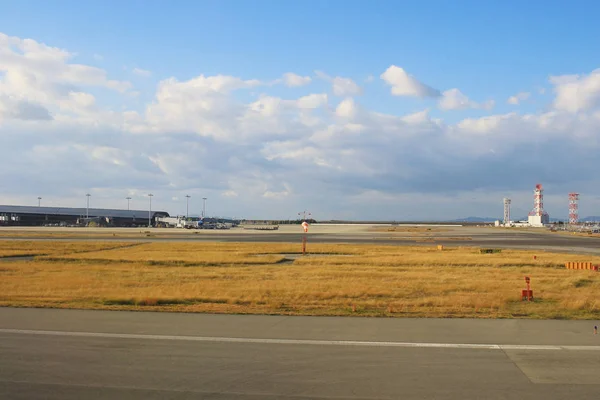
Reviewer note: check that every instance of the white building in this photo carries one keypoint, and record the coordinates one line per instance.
(538, 220)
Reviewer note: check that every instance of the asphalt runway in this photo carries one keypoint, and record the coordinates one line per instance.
(75, 354)
(538, 239)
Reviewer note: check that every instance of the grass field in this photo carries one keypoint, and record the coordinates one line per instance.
(334, 279)
(12, 248)
(93, 234)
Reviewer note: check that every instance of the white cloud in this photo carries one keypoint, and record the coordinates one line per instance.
(518, 98)
(312, 101)
(285, 192)
(37, 82)
(141, 72)
(261, 156)
(417, 118)
(454, 99)
(205, 84)
(22, 109)
(230, 193)
(404, 84)
(576, 93)
(346, 108)
(292, 80)
(345, 87)
(341, 86)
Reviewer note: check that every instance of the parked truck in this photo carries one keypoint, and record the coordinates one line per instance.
(174, 222)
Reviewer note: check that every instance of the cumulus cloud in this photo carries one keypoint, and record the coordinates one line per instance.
(404, 84)
(312, 101)
(576, 93)
(285, 192)
(261, 155)
(206, 84)
(38, 82)
(230, 193)
(518, 98)
(345, 87)
(346, 108)
(21, 109)
(293, 80)
(142, 72)
(341, 86)
(454, 99)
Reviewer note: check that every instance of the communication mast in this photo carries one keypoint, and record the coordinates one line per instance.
(538, 217)
(538, 200)
(573, 208)
(507, 202)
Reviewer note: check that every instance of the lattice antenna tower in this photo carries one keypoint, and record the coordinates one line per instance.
(573, 208)
(538, 201)
(507, 202)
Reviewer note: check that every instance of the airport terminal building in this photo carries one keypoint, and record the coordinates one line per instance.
(65, 216)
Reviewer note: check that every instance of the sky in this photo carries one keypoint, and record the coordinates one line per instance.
(385, 110)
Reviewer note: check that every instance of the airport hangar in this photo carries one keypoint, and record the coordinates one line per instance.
(65, 216)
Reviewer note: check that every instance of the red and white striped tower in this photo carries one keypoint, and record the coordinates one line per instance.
(538, 200)
(573, 208)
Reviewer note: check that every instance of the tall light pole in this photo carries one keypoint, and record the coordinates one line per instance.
(203, 207)
(39, 201)
(87, 209)
(187, 206)
(128, 198)
(150, 210)
(303, 213)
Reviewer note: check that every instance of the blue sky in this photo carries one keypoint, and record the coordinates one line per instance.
(487, 51)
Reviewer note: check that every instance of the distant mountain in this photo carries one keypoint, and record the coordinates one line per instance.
(523, 218)
(590, 219)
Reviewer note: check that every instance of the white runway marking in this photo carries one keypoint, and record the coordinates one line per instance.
(301, 341)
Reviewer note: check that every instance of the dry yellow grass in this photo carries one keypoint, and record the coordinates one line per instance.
(450, 256)
(11, 248)
(92, 234)
(198, 253)
(376, 280)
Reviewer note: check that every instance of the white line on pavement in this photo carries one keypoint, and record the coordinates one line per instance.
(300, 341)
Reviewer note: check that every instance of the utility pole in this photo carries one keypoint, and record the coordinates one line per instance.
(87, 210)
(39, 201)
(128, 198)
(203, 207)
(187, 206)
(150, 211)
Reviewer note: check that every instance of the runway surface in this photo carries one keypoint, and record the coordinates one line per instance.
(73, 354)
(538, 239)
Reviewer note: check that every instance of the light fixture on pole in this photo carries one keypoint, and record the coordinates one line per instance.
(39, 201)
(128, 198)
(150, 211)
(87, 209)
(187, 206)
(303, 213)
(203, 207)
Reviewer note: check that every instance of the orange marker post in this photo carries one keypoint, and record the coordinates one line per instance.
(527, 294)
